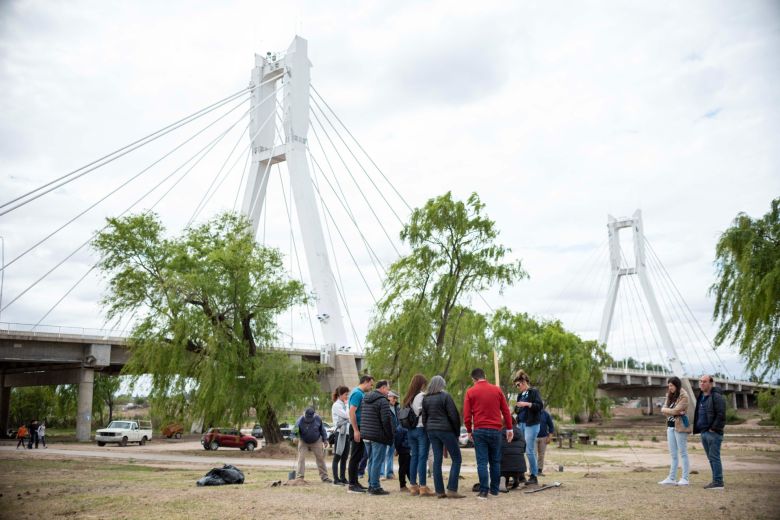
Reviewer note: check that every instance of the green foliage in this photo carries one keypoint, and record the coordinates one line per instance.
(564, 367)
(769, 402)
(421, 324)
(34, 402)
(206, 305)
(747, 291)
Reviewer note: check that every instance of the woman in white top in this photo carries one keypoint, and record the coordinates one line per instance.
(42, 433)
(340, 415)
(418, 439)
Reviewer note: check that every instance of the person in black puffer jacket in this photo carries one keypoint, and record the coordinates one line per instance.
(441, 421)
(376, 428)
(513, 459)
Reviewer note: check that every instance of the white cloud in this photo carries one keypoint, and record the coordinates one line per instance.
(556, 114)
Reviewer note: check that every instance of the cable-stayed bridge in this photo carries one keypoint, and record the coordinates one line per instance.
(278, 152)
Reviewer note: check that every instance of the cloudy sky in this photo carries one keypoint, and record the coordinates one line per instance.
(556, 115)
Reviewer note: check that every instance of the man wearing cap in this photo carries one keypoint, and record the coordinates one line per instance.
(386, 471)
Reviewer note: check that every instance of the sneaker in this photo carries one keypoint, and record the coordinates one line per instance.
(404, 489)
(454, 494)
(482, 495)
(532, 481)
(718, 486)
(326, 480)
(338, 482)
(377, 491)
(355, 489)
(683, 482)
(390, 477)
(668, 482)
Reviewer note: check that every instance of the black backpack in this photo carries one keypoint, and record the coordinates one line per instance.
(407, 417)
(310, 430)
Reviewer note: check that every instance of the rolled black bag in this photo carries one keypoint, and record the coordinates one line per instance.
(227, 474)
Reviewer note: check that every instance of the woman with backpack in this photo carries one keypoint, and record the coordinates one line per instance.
(441, 420)
(678, 427)
(529, 408)
(418, 439)
(340, 415)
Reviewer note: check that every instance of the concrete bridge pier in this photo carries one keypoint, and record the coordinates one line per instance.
(84, 413)
(5, 406)
(745, 402)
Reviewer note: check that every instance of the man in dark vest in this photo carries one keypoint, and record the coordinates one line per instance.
(376, 429)
(312, 436)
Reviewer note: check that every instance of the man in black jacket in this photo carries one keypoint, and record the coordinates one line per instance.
(376, 429)
(709, 420)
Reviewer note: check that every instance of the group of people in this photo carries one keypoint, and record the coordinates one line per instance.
(709, 420)
(370, 424)
(31, 435)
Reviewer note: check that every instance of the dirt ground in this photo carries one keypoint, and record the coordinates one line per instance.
(616, 479)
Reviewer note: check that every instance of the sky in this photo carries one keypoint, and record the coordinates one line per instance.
(557, 114)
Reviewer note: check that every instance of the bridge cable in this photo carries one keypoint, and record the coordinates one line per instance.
(124, 184)
(65, 295)
(208, 193)
(679, 294)
(360, 165)
(340, 281)
(106, 159)
(295, 249)
(357, 185)
(209, 146)
(681, 330)
(357, 227)
(241, 180)
(361, 148)
(344, 201)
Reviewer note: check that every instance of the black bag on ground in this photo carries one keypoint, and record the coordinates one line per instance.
(227, 474)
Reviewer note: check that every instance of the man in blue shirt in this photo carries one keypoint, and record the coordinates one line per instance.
(543, 438)
(357, 448)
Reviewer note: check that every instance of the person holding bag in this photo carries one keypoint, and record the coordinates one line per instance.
(340, 441)
(678, 427)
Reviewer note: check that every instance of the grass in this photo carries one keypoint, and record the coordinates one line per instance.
(91, 489)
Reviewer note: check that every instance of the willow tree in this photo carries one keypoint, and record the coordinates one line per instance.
(565, 367)
(454, 255)
(205, 307)
(747, 291)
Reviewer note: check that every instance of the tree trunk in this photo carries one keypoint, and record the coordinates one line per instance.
(271, 431)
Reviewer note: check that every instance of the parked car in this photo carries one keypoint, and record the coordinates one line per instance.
(257, 431)
(288, 431)
(173, 430)
(216, 438)
(122, 432)
(464, 440)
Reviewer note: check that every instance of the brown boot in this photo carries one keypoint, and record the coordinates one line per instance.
(454, 494)
(425, 491)
(441, 495)
(414, 490)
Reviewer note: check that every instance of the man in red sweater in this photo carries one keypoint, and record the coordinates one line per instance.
(485, 414)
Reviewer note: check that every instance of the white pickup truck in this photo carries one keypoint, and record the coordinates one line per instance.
(122, 432)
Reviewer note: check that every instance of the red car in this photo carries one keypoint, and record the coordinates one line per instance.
(216, 438)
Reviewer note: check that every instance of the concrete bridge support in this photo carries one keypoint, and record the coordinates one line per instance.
(745, 402)
(5, 406)
(84, 416)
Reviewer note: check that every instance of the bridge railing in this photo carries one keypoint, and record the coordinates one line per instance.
(59, 331)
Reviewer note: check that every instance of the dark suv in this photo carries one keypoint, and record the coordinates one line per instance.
(216, 438)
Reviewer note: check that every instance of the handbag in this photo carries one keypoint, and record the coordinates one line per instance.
(685, 420)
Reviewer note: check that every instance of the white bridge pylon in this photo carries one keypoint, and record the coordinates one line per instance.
(291, 71)
(639, 269)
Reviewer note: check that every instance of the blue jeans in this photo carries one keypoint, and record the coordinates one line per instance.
(529, 434)
(387, 467)
(418, 442)
(440, 440)
(376, 458)
(711, 442)
(487, 446)
(678, 443)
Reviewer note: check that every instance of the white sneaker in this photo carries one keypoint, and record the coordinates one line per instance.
(682, 482)
(668, 482)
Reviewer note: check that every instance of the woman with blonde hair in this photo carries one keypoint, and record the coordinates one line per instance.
(678, 427)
